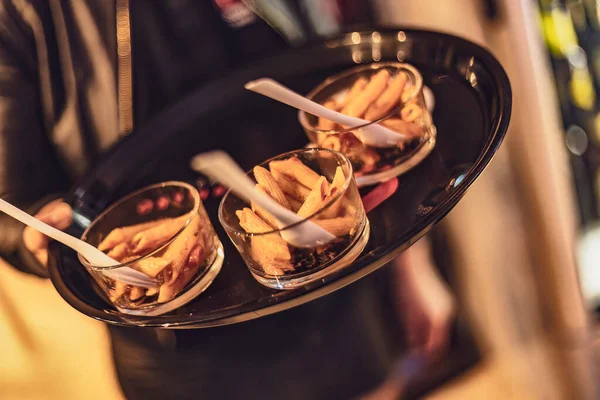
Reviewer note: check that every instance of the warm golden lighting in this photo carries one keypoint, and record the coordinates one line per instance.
(473, 79)
(401, 36)
(401, 56)
(355, 37)
(376, 36)
(376, 55)
(357, 57)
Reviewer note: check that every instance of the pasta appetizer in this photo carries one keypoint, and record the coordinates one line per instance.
(390, 94)
(327, 197)
(170, 239)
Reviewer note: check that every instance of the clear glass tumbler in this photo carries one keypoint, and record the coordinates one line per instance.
(390, 94)
(317, 184)
(164, 232)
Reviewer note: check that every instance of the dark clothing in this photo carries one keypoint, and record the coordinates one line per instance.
(334, 348)
(58, 100)
(58, 113)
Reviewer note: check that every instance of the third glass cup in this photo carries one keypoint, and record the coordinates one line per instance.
(390, 94)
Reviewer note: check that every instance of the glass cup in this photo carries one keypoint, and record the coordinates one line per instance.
(317, 184)
(390, 94)
(163, 231)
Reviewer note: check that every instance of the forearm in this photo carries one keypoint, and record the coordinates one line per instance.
(418, 255)
(424, 302)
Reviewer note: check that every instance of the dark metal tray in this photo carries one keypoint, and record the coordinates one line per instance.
(473, 104)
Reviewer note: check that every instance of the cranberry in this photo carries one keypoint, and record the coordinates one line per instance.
(178, 198)
(204, 193)
(219, 191)
(162, 203)
(145, 207)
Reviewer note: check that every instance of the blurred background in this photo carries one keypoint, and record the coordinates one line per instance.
(523, 247)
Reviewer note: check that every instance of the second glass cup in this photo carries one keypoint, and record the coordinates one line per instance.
(390, 94)
(318, 185)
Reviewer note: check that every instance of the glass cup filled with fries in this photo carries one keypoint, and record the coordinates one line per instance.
(390, 94)
(164, 232)
(316, 184)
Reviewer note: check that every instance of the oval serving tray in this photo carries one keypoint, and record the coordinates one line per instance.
(472, 112)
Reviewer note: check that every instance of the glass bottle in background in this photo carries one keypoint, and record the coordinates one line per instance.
(564, 24)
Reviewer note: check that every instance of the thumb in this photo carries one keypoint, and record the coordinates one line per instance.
(57, 215)
(60, 216)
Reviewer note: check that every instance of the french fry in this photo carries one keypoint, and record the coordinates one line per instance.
(124, 234)
(291, 186)
(297, 170)
(316, 198)
(337, 226)
(270, 246)
(388, 99)
(152, 266)
(266, 180)
(354, 91)
(406, 128)
(152, 291)
(411, 112)
(261, 212)
(158, 234)
(371, 92)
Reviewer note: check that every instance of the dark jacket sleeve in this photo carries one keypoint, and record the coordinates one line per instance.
(29, 169)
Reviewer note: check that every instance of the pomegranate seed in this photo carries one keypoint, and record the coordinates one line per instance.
(178, 198)
(219, 191)
(204, 193)
(162, 203)
(145, 207)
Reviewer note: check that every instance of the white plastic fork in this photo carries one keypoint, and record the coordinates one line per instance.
(374, 135)
(220, 166)
(124, 274)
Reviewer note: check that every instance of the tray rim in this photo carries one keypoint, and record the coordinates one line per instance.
(498, 128)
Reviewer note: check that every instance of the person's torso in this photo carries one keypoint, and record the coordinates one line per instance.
(176, 46)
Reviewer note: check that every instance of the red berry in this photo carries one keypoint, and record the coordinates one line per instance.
(219, 191)
(178, 198)
(204, 194)
(145, 207)
(162, 203)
